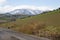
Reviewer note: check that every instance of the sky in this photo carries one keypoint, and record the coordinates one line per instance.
(9, 5)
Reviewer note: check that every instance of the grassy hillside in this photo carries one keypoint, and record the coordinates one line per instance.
(46, 24)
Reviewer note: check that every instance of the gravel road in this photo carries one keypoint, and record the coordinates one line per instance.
(7, 34)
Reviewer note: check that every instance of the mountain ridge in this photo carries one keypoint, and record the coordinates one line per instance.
(26, 11)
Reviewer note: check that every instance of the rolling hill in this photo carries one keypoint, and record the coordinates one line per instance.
(18, 13)
(46, 24)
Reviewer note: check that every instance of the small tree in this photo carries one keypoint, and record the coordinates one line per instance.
(59, 8)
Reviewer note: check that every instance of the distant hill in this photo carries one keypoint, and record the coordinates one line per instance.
(19, 13)
(46, 24)
(26, 11)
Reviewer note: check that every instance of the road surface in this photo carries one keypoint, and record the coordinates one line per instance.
(7, 34)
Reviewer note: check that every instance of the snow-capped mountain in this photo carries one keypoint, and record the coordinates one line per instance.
(25, 12)
(20, 13)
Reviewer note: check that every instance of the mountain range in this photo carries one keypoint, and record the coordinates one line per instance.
(20, 13)
(25, 12)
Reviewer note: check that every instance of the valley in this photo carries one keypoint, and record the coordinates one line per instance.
(46, 24)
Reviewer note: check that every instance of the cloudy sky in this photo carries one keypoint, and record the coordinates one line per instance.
(8, 5)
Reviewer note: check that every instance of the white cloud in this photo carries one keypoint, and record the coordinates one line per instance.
(43, 8)
(26, 7)
(2, 1)
(10, 8)
(6, 8)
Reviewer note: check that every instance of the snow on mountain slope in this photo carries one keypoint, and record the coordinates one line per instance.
(26, 12)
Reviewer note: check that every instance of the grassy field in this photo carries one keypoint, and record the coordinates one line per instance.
(46, 24)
